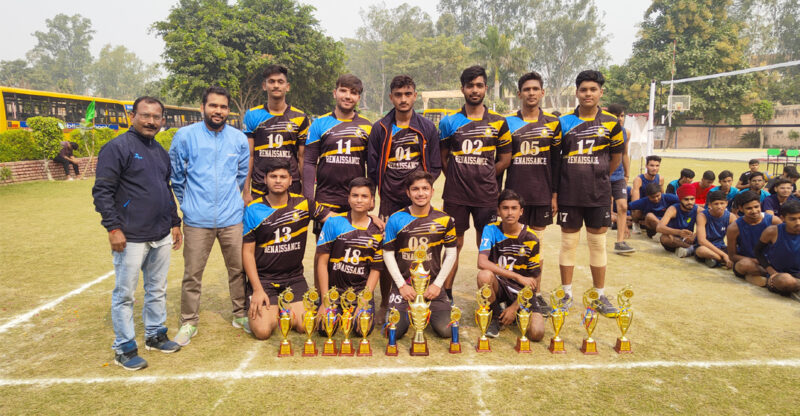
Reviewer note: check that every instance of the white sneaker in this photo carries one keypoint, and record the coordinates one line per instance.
(636, 229)
(185, 334)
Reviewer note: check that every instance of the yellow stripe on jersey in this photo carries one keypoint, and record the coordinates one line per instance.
(349, 260)
(303, 206)
(478, 150)
(256, 191)
(443, 221)
(588, 151)
(366, 127)
(276, 145)
(413, 154)
(294, 234)
(541, 149)
(431, 244)
(336, 152)
(504, 140)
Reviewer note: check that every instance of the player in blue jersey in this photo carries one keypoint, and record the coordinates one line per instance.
(725, 179)
(712, 225)
(649, 210)
(677, 224)
(778, 251)
(743, 235)
(782, 194)
(686, 177)
(652, 167)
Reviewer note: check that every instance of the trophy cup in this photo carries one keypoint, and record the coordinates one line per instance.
(285, 321)
(483, 315)
(557, 319)
(347, 319)
(364, 320)
(309, 320)
(419, 311)
(391, 322)
(329, 321)
(455, 345)
(624, 318)
(524, 319)
(590, 315)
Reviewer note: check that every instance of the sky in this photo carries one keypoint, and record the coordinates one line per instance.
(127, 23)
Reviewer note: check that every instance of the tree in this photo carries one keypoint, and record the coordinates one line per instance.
(209, 42)
(763, 111)
(786, 83)
(494, 49)
(511, 17)
(18, 73)
(62, 53)
(47, 137)
(119, 73)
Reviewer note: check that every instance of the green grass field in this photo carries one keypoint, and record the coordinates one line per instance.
(704, 341)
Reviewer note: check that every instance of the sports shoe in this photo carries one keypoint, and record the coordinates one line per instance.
(130, 360)
(636, 229)
(161, 343)
(185, 334)
(682, 252)
(623, 247)
(566, 301)
(605, 307)
(493, 330)
(543, 306)
(243, 323)
(711, 263)
(650, 233)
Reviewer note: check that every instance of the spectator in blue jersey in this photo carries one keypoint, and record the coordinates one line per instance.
(712, 225)
(778, 252)
(131, 192)
(783, 193)
(725, 179)
(209, 168)
(649, 210)
(619, 186)
(652, 166)
(744, 179)
(686, 177)
(743, 235)
(677, 224)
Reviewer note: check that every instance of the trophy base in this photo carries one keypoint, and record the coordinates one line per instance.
(309, 350)
(523, 346)
(347, 348)
(455, 348)
(329, 349)
(623, 346)
(364, 349)
(391, 350)
(285, 350)
(483, 345)
(557, 346)
(419, 348)
(589, 347)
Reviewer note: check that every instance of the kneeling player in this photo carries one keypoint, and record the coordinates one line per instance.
(509, 261)
(744, 234)
(649, 210)
(677, 225)
(349, 246)
(778, 251)
(274, 244)
(712, 224)
(420, 226)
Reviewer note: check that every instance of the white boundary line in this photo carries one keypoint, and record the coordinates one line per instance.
(49, 305)
(386, 371)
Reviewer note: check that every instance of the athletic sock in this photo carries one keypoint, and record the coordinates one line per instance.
(568, 289)
(601, 291)
(449, 293)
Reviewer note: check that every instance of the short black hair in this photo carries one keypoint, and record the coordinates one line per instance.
(473, 72)
(616, 109)
(791, 172)
(652, 157)
(781, 181)
(274, 164)
(418, 175)
(757, 174)
(350, 81)
(402, 81)
(652, 188)
(590, 75)
(147, 100)
(753, 162)
(360, 181)
(510, 195)
(790, 207)
(216, 89)
(530, 76)
(275, 69)
(73, 145)
(746, 197)
(687, 173)
(716, 196)
(709, 175)
(725, 174)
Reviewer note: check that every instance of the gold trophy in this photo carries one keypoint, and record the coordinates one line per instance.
(348, 298)
(309, 321)
(557, 319)
(364, 320)
(391, 322)
(590, 315)
(455, 315)
(329, 321)
(419, 311)
(524, 319)
(483, 315)
(285, 321)
(624, 318)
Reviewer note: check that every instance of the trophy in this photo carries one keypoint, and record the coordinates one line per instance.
(524, 319)
(624, 318)
(391, 322)
(364, 320)
(329, 321)
(455, 315)
(590, 315)
(347, 319)
(285, 321)
(557, 319)
(419, 311)
(483, 315)
(309, 320)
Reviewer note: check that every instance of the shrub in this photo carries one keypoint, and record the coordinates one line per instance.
(17, 145)
(793, 136)
(83, 138)
(165, 138)
(6, 174)
(750, 139)
(47, 136)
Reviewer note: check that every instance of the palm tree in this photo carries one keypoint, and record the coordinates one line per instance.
(494, 48)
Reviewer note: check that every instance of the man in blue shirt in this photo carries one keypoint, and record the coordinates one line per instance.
(726, 186)
(209, 167)
(648, 211)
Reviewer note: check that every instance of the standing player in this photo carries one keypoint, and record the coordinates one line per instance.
(640, 182)
(778, 252)
(649, 210)
(677, 224)
(274, 243)
(420, 226)
(583, 161)
(508, 261)
(275, 130)
(744, 234)
(619, 186)
(712, 224)
(470, 140)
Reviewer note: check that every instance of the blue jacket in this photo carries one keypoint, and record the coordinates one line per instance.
(208, 173)
(131, 189)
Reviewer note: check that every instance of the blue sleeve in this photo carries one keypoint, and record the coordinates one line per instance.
(177, 158)
(639, 204)
(487, 240)
(248, 122)
(391, 229)
(671, 198)
(244, 160)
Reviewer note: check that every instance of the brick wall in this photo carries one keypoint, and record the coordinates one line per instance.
(33, 170)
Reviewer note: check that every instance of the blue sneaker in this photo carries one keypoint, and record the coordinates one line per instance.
(161, 343)
(130, 360)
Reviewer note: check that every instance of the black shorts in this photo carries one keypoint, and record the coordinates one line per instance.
(481, 216)
(619, 189)
(536, 215)
(440, 303)
(298, 285)
(593, 217)
(507, 293)
(387, 208)
(318, 225)
(259, 190)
